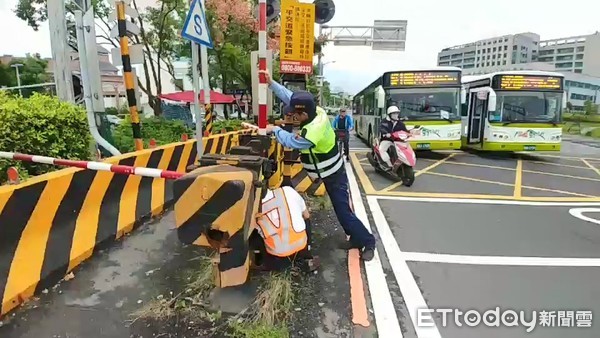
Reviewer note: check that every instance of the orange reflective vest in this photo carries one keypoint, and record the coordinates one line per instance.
(275, 221)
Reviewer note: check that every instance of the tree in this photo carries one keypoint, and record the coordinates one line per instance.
(590, 108)
(159, 28)
(32, 72)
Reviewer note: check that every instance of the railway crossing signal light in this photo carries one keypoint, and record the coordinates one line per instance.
(324, 11)
(273, 9)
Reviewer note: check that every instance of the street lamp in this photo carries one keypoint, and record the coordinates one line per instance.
(322, 80)
(16, 67)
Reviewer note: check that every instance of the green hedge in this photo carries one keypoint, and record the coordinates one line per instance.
(581, 118)
(41, 125)
(157, 128)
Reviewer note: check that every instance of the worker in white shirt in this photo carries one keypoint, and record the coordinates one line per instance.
(285, 230)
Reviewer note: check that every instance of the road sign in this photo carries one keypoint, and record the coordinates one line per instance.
(297, 37)
(195, 27)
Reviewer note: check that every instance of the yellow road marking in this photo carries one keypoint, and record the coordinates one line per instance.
(561, 175)
(481, 165)
(470, 179)
(591, 166)
(559, 164)
(362, 176)
(518, 179)
(420, 172)
(558, 191)
(510, 185)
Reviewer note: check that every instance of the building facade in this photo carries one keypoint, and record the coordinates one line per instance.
(490, 54)
(577, 54)
(581, 88)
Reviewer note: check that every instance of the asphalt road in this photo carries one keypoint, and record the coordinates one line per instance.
(478, 232)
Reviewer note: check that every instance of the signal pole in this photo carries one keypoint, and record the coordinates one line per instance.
(60, 52)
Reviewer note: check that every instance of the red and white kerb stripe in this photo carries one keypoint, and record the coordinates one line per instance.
(97, 166)
(262, 65)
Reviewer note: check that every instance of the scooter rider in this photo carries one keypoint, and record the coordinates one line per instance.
(388, 126)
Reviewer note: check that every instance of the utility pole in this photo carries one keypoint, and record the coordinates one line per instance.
(85, 66)
(16, 67)
(60, 51)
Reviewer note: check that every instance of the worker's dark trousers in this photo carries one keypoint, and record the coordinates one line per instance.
(337, 189)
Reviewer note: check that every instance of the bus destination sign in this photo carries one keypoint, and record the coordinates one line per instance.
(529, 82)
(422, 79)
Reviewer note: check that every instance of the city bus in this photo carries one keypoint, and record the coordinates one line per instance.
(427, 98)
(513, 111)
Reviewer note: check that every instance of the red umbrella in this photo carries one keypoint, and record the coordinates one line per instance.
(188, 96)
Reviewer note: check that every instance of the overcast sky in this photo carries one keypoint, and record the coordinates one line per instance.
(432, 25)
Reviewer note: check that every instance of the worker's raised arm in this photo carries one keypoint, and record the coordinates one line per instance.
(280, 91)
(290, 140)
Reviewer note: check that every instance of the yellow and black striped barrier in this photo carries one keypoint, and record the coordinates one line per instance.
(128, 75)
(208, 117)
(51, 223)
(215, 204)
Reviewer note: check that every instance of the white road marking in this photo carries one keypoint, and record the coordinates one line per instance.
(484, 201)
(408, 286)
(499, 260)
(386, 319)
(578, 212)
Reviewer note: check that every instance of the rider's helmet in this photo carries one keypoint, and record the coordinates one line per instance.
(393, 112)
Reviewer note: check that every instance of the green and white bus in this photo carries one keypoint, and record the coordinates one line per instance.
(513, 111)
(428, 98)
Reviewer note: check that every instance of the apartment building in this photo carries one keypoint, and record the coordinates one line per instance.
(577, 54)
(490, 54)
(581, 88)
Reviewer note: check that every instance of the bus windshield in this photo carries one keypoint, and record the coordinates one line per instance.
(426, 103)
(527, 107)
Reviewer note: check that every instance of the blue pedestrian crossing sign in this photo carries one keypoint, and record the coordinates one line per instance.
(195, 27)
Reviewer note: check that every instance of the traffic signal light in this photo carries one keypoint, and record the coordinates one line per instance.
(324, 11)
(273, 8)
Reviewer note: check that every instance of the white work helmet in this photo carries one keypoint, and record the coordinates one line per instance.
(391, 111)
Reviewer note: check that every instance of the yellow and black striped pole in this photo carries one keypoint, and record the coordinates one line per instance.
(128, 76)
(208, 116)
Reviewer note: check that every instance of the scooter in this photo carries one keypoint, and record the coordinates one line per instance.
(402, 156)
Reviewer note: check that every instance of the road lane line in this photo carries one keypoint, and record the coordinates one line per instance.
(486, 196)
(591, 166)
(578, 212)
(510, 185)
(470, 179)
(386, 319)
(518, 179)
(486, 201)
(408, 286)
(561, 175)
(558, 164)
(420, 172)
(427, 257)
(558, 191)
(362, 176)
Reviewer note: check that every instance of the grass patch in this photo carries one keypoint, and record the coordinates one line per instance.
(268, 314)
(189, 302)
(317, 203)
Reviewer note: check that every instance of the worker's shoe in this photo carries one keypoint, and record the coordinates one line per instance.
(367, 254)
